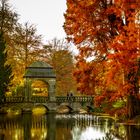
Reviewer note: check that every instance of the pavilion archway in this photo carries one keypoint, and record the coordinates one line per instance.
(40, 73)
(39, 87)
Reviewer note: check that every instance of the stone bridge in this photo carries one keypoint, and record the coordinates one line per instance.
(43, 72)
(74, 103)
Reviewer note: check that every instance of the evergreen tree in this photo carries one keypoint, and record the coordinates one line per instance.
(5, 69)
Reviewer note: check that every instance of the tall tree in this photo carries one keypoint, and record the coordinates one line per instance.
(27, 47)
(8, 18)
(58, 55)
(103, 30)
(28, 43)
(23, 43)
(5, 69)
(8, 23)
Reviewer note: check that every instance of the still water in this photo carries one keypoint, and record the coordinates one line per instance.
(64, 127)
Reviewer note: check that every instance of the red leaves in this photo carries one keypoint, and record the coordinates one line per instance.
(113, 44)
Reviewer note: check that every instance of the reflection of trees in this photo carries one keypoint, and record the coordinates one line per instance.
(133, 132)
(115, 131)
(110, 136)
(23, 127)
(130, 132)
(62, 127)
(80, 123)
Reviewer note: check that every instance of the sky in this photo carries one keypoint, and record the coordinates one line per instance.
(47, 15)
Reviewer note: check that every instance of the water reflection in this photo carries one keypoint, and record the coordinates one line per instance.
(64, 127)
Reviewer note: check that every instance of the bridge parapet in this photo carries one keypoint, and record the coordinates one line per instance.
(74, 102)
(81, 99)
(39, 99)
(18, 99)
(59, 99)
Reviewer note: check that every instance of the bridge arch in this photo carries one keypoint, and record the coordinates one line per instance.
(41, 105)
(72, 107)
(40, 71)
(64, 108)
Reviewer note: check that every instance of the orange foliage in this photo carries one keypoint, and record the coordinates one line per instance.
(108, 33)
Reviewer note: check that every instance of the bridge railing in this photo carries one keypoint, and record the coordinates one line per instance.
(59, 99)
(39, 99)
(74, 99)
(14, 99)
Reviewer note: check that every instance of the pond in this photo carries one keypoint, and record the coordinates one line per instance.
(64, 127)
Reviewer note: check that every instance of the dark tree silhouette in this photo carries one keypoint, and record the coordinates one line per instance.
(5, 69)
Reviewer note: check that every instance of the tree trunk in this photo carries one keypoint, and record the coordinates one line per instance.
(133, 133)
(133, 105)
(133, 102)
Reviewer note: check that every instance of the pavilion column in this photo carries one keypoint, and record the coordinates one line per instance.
(27, 90)
(51, 89)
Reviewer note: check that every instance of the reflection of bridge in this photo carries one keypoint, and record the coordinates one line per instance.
(40, 121)
(75, 103)
(46, 127)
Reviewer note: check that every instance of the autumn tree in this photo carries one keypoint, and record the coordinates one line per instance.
(91, 27)
(23, 43)
(8, 23)
(5, 69)
(8, 18)
(103, 31)
(27, 46)
(28, 43)
(58, 55)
